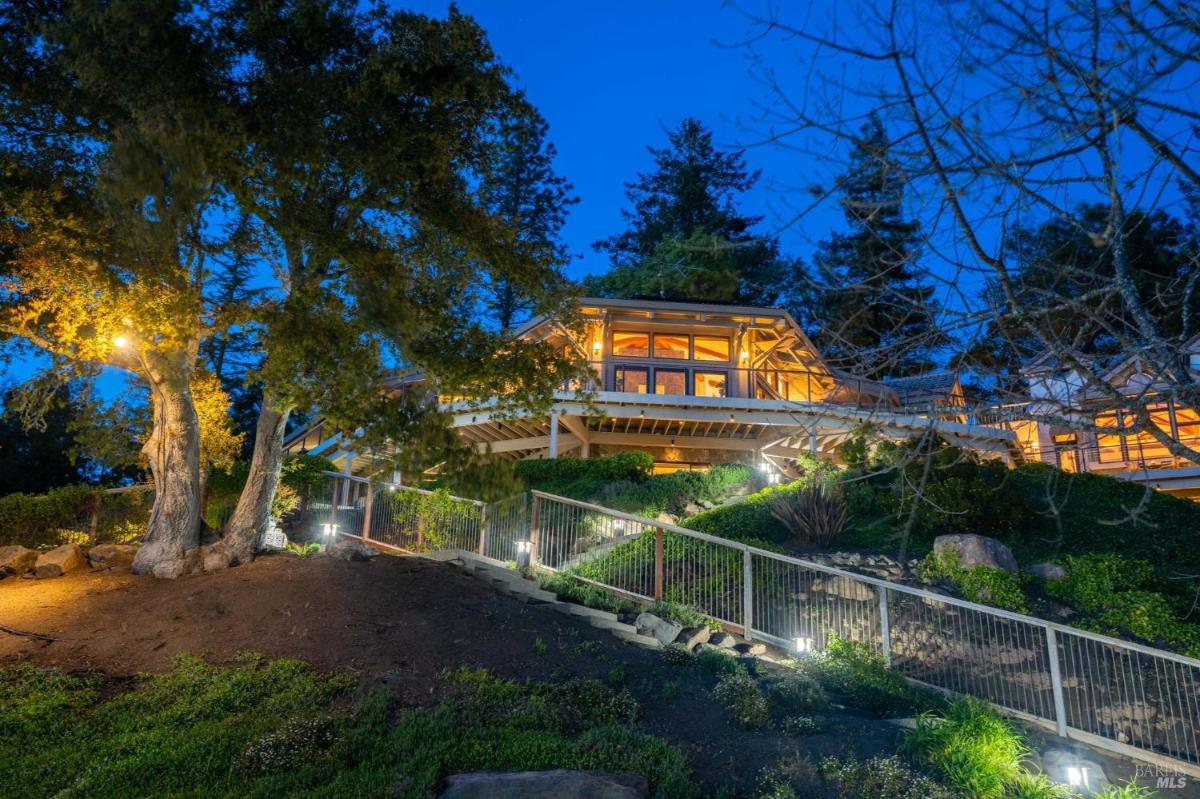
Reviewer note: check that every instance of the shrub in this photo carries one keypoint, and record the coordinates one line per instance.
(739, 694)
(989, 586)
(881, 778)
(65, 514)
(793, 691)
(1092, 579)
(815, 515)
(801, 726)
(851, 669)
(632, 466)
(773, 785)
(680, 614)
(564, 585)
(971, 745)
(677, 655)
(717, 662)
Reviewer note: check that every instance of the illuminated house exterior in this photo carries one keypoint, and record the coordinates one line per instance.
(701, 384)
(1122, 453)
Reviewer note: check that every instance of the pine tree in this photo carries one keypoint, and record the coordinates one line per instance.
(870, 312)
(686, 238)
(530, 199)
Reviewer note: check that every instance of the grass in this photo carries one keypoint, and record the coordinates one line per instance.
(741, 696)
(860, 676)
(276, 728)
(972, 746)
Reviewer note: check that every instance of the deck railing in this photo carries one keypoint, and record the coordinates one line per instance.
(1113, 694)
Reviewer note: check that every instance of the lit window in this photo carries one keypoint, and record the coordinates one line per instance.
(711, 348)
(1108, 445)
(709, 384)
(669, 381)
(667, 346)
(631, 345)
(1194, 361)
(1187, 422)
(633, 381)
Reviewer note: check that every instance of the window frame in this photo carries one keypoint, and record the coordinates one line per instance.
(728, 347)
(617, 370)
(687, 347)
(670, 370)
(724, 373)
(649, 343)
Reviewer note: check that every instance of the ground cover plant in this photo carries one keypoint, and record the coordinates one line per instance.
(277, 728)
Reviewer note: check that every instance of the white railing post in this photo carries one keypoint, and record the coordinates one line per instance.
(747, 593)
(1060, 706)
(885, 630)
(484, 521)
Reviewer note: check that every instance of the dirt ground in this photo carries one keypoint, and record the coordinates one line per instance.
(394, 621)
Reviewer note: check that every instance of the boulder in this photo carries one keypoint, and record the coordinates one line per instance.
(60, 561)
(112, 556)
(691, 509)
(348, 549)
(214, 557)
(16, 560)
(752, 649)
(1048, 570)
(664, 631)
(666, 518)
(722, 640)
(976, 550)
(692, 637)
(559, 784)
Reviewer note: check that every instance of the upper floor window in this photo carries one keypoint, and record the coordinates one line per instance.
(670, 346)
(1194, 361)
(634, 381)
(631, 345)
(711, 348)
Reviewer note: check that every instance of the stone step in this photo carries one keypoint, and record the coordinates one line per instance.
(571, 609)
(637, 638)
(606, 624)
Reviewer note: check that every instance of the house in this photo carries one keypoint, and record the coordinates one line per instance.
(698, 384)
(1084, 432)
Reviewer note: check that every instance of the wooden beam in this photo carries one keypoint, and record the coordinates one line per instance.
(685, 442)
(534, 442)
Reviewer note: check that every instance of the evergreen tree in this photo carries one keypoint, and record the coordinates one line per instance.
(524, 192)
(870, 314)
(686, 238)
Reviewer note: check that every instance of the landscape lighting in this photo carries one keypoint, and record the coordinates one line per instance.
(524, 548)
(804, 646)
(1077, 776)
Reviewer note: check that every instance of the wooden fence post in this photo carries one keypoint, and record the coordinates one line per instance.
(533, 529)
(483, 528)
(367, 505)
(659, 565)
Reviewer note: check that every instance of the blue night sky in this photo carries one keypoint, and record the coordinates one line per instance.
(609, 77)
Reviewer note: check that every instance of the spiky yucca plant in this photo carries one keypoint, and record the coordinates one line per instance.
(815, 515)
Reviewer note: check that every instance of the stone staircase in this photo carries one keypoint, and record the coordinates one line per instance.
(523, 589)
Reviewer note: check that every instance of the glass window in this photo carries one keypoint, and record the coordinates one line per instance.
(1187, 422)
(1108, 445)
(669, 381)
(711, 348)
(668, 346)
(634, 381)
(1142, 445)
(631, 345)
(709, 384)
(1194, 361)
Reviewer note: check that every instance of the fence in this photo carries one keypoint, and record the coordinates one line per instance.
(1113, 694)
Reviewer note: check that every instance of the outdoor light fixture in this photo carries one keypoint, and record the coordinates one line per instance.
(1077, 776)
(524, 549)
(329, 530)
(804, 646)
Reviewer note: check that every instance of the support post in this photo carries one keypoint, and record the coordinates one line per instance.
(885, 630)
(747, 593)
(534, 513)
(347, 471)
(370, 502)
(1060, 706)
(554, 434)
(484, 520)
(659, 565)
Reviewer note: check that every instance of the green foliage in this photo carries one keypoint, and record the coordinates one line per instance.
(773, 785)
(971, 746)
(740, 694)
(716, 661)
(984, 584)
(565, 586)
(681, 614)
(801, 726)
(793, 691)
(265, 729)
(881, 778)
(632, 466)
(1112, 592)
(441, 514)
(304, 550)
(64, 514)
(754, 517)
(815, 515)
(854, 671)
(1129, 790)
(299, 476)
(677, 655)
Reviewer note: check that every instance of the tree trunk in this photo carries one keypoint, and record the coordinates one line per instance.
(173, 450)
(253, 511)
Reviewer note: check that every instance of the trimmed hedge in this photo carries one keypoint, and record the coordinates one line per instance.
(64, 515)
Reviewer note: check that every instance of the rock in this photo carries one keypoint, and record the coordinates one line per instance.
(976, 550)
(666, 518)
(60, 561)
(844, 587)
(665, 631)
(1048, 570)
(559, 784)
(752, 649)
(704, 503)
(112, 556)
(214, 557)
(722, 640)
(347, 549)
(691, 509)
(16, 560)
(692, 637)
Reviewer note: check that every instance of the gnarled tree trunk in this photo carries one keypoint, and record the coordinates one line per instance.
(253, 511)
(173, 449)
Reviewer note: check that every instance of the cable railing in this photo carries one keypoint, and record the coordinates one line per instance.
(1113, 694)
